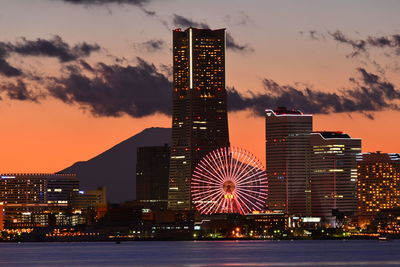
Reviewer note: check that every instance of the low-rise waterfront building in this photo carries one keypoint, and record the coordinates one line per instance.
(36, 199)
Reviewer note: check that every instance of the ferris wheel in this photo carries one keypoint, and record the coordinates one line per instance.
(229, 180)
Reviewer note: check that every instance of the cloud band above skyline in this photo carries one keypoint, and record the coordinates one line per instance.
(113, 90)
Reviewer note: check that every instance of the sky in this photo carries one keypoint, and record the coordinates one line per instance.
(79, 76)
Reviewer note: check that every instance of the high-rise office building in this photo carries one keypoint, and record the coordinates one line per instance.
(287, 152)
(378, 184)
(152, 172)
(333, 174)
(199, 111)
(28, 199)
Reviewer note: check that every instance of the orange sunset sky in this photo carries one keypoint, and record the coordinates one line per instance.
(319, 45)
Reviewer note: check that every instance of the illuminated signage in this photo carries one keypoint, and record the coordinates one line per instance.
(7, 177)
(312, 219)
(190, 59)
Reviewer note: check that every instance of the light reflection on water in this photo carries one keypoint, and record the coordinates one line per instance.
(203, 253)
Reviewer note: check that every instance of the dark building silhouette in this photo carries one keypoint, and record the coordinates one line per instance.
(122, 217)
(152, 172)
(287, 152)
(199, 113)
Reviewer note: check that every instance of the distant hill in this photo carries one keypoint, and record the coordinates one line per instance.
(116, 167)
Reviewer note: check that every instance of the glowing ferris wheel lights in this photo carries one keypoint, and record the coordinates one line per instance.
(229, 180)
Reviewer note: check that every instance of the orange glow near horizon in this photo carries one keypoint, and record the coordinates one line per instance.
(47, 138)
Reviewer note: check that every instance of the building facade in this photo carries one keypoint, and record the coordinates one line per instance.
(387, 222)
(287, 152)
(333, 175)
(92, 203)
(1, 216)
(378, 184)
(30, 199)
(199, 111)
(152, 172)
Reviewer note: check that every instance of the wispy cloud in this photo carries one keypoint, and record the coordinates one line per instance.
(105, 2)
(184, 22)
(153, 45)
(359, 46)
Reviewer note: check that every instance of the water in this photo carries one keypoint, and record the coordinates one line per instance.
(203, 253)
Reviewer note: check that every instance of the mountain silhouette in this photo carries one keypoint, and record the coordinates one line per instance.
(116, 168)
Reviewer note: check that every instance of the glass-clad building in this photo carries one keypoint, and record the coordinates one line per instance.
(199, 111)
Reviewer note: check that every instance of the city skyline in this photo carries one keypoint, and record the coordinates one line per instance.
(263, 53)
(229, 132)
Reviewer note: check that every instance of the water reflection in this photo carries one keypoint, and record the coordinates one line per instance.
(203, 253)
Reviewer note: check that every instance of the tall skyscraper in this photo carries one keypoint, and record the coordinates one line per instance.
(378, 184)
(333, 174)
(152, 170)
(287, 152)
(199, 112)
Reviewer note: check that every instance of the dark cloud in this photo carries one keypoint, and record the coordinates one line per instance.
(91, 3)
(110, 90)
(167, 70)
(104, 2)
(231, 44)
(18, 91)
(140, 4)
(7, 70)
(314, 35)
(360, 46)
(55, 47)
(184, 22)
(150, 13)
(4, 49)
(116, 90)
(142, 90)
(86, 65)
(369, 93)
(151, 45)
